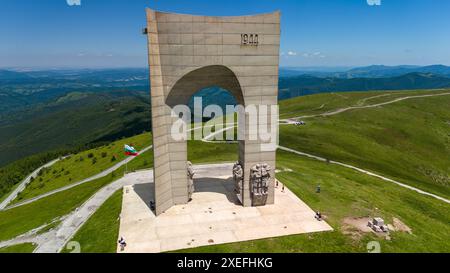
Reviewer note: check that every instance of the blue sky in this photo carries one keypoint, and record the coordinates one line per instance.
(106, 33)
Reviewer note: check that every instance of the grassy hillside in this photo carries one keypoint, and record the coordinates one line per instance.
(22, 248)
(347, 194)
(322, 103)
(81, 166)
(408, 140)
(40, 213)
(28, 217)
(72, 120)
(14, 173)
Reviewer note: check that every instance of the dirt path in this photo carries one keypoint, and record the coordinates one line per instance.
(13, 195)
(366, 172)
(207, 139)
(89, 179)
(363, 101)
(345, 109)
(54, 240)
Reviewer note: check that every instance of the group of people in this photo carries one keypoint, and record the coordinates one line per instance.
(318, 215)
(277, 184)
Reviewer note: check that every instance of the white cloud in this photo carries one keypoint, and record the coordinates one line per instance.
(292, 53)
(316, 54)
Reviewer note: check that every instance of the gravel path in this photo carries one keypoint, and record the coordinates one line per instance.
(99, 175)
(54, 240)
(23, 184)
(342, 110)
(365, 172)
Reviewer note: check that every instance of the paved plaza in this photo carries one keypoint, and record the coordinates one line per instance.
(214, 216)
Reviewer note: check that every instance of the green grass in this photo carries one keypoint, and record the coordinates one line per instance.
(346, 193)
(49, 227)
(200, 152)
(408, 141)
(42, 212)
(16, 249)
(65, 122)
(142, 162)
(22, 219)
(100, 233)
(80, 166)
(320, 103)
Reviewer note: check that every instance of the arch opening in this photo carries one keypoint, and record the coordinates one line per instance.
(206, 77)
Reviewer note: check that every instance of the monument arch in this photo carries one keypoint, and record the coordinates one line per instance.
(188, 53)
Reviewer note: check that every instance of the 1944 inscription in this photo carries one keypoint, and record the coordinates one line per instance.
(249, 39)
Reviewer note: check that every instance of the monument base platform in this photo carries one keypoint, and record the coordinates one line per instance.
(214, 216)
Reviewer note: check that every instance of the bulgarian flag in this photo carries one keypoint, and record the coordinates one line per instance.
(130, 151)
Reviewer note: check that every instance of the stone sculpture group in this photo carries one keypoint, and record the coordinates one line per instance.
(259, 182)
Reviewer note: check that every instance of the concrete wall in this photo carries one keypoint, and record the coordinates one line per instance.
(188, 53)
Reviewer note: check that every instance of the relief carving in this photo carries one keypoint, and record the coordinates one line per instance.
(259, 182)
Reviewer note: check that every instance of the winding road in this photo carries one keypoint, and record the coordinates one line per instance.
(89, 179)
(345, 109)
(365, 172)
(55, 240)
(13, 195)
(338, 111)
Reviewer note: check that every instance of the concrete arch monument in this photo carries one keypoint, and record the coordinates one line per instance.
(188, 53)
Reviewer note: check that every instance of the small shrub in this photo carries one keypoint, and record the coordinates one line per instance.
(104, 154)
(90, 155)
(113, 158)
(94, 161)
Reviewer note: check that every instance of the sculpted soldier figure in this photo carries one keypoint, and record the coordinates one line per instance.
(191, 174)
(238, 176)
